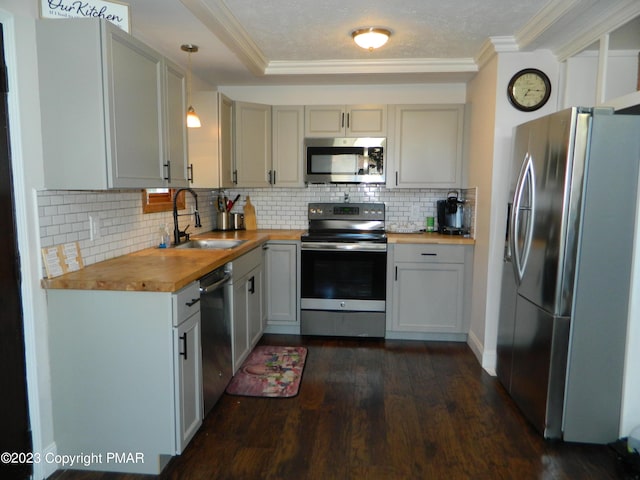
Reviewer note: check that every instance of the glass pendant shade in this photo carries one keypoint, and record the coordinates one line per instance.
(193, 121)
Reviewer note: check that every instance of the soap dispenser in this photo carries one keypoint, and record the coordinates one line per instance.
(165, 239)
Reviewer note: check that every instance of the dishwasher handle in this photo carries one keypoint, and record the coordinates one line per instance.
(204, 289)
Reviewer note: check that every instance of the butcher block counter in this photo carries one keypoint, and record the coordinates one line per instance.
(170, 269)
(164, 269)
(429, 238)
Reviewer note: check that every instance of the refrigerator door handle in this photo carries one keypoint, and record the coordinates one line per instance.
(525, 186)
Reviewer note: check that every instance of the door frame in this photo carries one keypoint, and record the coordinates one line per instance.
(26, 213)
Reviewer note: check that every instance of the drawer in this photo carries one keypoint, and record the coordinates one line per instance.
(186, 302)
(429, 253)
(245, 263)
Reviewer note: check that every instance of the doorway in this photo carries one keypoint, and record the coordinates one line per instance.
(15, 436)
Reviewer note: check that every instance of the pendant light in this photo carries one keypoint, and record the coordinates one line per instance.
(371, 38)
(193, 121)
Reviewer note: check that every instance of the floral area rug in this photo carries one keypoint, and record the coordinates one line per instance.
(270, 372)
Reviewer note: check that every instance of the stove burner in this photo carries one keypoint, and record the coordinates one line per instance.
(346, 223)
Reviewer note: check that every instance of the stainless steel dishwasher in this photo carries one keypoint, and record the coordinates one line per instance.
(215, 311)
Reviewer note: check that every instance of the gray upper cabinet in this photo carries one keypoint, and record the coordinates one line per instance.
(427, 147)
(346, 121)
(226, 154)
(288, 132)
(112, 109)
(252, 144)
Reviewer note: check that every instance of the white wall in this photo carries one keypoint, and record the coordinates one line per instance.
(349, 94)
(17, 17)
(481, 99)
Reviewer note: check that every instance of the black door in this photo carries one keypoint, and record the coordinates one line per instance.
(15, 437)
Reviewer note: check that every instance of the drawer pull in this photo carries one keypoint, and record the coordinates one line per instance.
(429, 254)
(192, 302)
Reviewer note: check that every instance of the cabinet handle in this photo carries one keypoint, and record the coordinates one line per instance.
(252, 285)
(192, 302)
(396, 178)
(168, 165)
(274, 177)
(396, 274)
(235, 177)
(348, 118)
(190, 177)
(184, 345)
(429, 254)
(342, 121)
(270, 177)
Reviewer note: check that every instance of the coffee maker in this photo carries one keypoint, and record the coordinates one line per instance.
(451, 215)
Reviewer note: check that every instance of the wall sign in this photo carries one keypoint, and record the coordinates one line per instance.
(113, 11)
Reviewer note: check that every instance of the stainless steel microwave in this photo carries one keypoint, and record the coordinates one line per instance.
(345, 160)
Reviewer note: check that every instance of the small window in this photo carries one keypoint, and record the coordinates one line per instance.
(160, 200)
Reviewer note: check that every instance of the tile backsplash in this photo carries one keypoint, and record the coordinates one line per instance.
(120, 227)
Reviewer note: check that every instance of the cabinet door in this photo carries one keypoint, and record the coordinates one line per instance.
(366, 121)
(175, 166)
(253, 144)
(225, 117)
(204, 146)
(281, 284)
(428, 146)
(324, 121)
(255, 317)
(188, 381)
(134, 78)
(427, 297)
(288, 137)
(240, 333)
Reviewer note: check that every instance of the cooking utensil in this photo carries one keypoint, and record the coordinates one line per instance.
(233, 202)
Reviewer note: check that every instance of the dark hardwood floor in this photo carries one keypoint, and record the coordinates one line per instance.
(376, 409)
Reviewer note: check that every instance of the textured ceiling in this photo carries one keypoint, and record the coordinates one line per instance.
(295, 30)
(249, 42)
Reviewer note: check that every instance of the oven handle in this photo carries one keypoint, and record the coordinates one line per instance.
(353, 247)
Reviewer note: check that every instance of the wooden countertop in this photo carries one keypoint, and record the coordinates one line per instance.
(429, 238)
(170, 269)
(163, 269)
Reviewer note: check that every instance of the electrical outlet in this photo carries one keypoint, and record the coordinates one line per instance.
(415, 211)
(94, 227)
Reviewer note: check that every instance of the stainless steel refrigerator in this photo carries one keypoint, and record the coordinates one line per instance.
(567, 269)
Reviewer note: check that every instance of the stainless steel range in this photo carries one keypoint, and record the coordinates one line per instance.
(344, 263)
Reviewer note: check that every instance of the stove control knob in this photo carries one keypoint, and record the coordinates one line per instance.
(342, 305)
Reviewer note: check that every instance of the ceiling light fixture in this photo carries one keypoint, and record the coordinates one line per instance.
(193, 121)
(371, 38)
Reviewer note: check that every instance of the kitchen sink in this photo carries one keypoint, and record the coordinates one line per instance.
(212, 244)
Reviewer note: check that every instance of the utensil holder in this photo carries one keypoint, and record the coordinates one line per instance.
(223, 221)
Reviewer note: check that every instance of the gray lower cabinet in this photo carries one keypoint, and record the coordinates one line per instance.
(281, 266)
(427, 291)
(126, 375)
(247, 317)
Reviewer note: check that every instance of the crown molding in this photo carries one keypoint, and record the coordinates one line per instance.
(617, 16)
(494, 45)
(411, 65)
(217, 17)
(543, 20)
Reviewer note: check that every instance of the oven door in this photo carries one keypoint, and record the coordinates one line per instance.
(343, 277)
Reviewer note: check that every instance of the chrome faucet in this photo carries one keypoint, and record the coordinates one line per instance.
(177, 233)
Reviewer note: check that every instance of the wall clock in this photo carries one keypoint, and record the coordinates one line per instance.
(529, 89)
